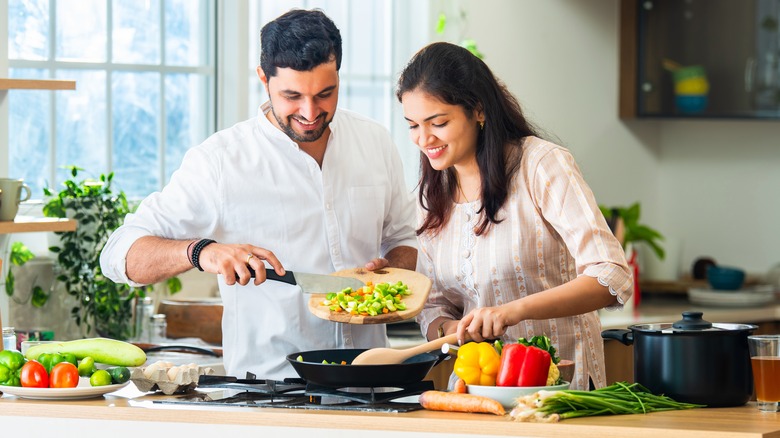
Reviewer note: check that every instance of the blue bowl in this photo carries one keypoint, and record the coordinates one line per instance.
(691, 103)
(725, 278)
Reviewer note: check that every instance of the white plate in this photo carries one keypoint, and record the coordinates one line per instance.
(80, 392)
(748, 297)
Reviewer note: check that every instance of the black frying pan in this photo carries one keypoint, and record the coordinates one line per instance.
(313, 370)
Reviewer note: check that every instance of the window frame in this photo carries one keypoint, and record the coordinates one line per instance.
(51, 66)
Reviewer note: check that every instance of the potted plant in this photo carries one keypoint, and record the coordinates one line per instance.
(99, 209)
(624, 222)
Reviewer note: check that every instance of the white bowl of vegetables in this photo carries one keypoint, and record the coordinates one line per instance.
(507, 395)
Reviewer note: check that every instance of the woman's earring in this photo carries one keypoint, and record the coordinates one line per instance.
(481, 125)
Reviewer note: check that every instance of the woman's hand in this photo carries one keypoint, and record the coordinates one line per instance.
(486, 323)
(233, 262)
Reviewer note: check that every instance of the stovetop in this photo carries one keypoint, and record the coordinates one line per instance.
(298, 394)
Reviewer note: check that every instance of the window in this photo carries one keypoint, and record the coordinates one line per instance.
(379, 37)
(145, 80)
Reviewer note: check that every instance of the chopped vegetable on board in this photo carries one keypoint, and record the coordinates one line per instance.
(477, 363)
(369, 300)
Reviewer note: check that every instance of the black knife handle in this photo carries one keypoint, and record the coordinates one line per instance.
(270, 274)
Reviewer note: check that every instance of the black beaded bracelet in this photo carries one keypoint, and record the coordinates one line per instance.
(195, 258)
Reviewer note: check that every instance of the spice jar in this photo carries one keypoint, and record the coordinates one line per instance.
(9, 338)
(144, 309)
(159, 328)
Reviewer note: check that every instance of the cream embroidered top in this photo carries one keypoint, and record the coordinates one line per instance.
(552, 232)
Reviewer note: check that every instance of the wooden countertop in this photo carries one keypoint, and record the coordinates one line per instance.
(129, 412)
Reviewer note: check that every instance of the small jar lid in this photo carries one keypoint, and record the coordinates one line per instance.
(8, 330)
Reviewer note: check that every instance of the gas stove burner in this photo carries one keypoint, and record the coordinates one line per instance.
(369, 395)
(298, 394)
(274, 387)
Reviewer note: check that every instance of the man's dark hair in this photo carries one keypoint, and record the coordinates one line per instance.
(301, 40)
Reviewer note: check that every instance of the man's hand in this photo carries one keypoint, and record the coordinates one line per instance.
(376, 264)
(233, 262)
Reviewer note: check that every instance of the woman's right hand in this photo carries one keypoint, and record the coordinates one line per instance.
(234, 260)
(485, 323)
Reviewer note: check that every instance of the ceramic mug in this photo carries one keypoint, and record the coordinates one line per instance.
(12, 189)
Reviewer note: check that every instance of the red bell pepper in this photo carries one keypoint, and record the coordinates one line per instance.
(523, 365)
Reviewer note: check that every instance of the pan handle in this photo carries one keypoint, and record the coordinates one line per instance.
(626, 337)
(190, 348)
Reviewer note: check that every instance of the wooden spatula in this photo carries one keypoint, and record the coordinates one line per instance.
(390, 356)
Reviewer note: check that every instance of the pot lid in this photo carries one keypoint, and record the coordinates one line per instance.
(692, 322)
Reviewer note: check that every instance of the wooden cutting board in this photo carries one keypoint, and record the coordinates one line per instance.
(419, 286)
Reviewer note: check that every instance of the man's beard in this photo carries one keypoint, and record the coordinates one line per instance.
(308, 135)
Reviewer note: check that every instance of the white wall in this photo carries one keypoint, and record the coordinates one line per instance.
(713, 186)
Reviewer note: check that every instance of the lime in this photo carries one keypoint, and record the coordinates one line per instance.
(86, 367)
(100, 378)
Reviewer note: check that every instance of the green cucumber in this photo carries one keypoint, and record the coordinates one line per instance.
(103, 350)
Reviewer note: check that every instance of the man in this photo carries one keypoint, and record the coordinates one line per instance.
(304, 186)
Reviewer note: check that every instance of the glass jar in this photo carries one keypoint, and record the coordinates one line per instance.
(159, 328)
(9, 338)
(144, 309)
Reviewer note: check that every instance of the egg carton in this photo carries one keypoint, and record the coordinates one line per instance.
(168, 379)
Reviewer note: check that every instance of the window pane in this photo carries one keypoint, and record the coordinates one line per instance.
(28, 29)
(81, 30)
(81, 124)
(30, 126)
(185, 32)
(136, 126)
(367, 52)
(136, 31)
(184, 117)
(370, 98)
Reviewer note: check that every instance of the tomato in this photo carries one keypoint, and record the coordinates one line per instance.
(64, 375)
(33, 375)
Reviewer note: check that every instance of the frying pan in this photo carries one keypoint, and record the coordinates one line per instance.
(313, 370)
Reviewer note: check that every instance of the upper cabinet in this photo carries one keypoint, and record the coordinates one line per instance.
(700, 59)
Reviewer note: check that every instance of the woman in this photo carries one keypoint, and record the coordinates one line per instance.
(509, 231)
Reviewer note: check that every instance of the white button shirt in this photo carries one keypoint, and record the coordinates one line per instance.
(252, 184)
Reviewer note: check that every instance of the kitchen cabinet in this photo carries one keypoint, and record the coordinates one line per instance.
(736, 44)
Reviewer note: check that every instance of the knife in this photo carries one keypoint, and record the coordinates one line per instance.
(313, 283)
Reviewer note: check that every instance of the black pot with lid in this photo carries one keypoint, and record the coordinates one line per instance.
(692, 360)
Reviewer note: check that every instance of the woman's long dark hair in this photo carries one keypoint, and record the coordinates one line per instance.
(455, 76)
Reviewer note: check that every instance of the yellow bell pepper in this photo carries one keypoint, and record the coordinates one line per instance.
(477, 363)
(553, 375)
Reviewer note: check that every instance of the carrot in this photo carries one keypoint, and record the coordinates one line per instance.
(460, 386)
(455, 402)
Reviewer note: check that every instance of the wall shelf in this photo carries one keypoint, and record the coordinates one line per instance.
(36, 84)
(31, 225)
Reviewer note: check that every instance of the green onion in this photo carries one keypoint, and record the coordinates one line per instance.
(619, 398)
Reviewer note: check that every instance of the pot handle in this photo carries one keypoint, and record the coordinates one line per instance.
(626, 337)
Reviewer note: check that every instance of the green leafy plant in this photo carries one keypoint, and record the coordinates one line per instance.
(467, 43)
(99, 210)
(20, 255)
(634, 231)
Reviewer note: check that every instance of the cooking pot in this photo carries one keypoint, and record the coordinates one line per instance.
(692, 360)
(312, 369)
